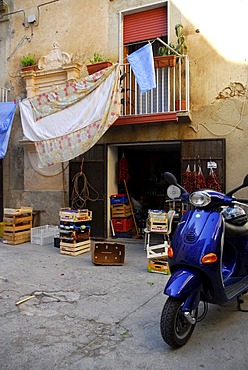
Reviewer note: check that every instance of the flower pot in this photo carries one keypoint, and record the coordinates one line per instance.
(183, 104)
(165, 61)
(93, 68)
(29, 68)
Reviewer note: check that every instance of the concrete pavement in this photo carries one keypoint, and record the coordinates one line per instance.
(84, 316)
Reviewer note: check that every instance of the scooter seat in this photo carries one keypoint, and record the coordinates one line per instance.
(236, 230)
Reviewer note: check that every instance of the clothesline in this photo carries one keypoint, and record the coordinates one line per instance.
(151, 42)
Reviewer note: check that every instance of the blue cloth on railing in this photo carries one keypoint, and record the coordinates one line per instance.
(142, 64)
(7, 112)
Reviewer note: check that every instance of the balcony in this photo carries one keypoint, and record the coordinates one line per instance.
(169, 101)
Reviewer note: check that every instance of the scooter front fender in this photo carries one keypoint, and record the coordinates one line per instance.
(186, 285)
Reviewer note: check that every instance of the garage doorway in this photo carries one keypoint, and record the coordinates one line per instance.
(147, 163)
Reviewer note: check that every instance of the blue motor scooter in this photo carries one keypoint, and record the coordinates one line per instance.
(208, 259)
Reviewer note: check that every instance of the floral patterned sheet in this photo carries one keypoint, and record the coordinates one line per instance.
(67, 121)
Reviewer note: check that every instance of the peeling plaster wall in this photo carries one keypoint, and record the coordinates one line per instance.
(82, 27)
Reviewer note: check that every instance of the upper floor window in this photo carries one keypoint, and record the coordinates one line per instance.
(140, 27)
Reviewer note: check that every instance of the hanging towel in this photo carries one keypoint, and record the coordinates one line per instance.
(7, 112)
(142, 64)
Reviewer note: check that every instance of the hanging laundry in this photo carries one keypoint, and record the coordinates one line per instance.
(142, 64)
(7, 112)
(69, 126)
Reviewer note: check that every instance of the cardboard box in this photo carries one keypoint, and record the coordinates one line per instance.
(108, 253)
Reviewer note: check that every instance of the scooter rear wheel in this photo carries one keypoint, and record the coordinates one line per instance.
(175, 328)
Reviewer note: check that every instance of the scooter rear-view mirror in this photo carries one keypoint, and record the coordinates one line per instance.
(245, 182)
(170, 178)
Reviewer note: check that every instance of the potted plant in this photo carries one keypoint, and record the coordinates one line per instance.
(98, 62)
(166, 57)
(28, 62)
(167, 54)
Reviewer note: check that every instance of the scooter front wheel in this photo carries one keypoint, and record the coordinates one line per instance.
(175, 328)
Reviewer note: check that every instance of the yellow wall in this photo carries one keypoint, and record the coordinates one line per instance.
(218, 72)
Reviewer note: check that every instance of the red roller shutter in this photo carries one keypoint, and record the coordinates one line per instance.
(145, 25)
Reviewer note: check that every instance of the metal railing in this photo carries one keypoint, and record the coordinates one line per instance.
(170, 95)
(3, 94)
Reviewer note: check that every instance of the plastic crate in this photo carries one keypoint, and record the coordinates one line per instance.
(122, 224)
(45, 234)
(118, 198)
(127, 234)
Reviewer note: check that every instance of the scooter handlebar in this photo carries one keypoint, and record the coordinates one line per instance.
(244, 201)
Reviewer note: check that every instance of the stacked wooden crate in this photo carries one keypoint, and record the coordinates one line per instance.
(121, 216)
(17, 225)
(157, 258)
(157, 221)
(157, 255)
(75, 231)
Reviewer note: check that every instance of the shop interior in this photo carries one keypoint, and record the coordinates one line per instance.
(146, 184)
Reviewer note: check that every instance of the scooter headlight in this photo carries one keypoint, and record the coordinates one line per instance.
(200, 199)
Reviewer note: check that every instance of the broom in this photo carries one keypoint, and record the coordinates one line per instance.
(124, 176)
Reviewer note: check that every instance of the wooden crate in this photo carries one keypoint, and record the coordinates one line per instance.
(72, 215)
(157, 221)
(17, 225)
(159, 250)
(17, 237)
(159, 265)
(120, 211)
(75, 248)
(157, 226)
(74, 235)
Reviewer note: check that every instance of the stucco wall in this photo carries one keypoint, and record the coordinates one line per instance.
(82, 27)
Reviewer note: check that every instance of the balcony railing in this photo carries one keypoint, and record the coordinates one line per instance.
(3, 94)
(170, 95)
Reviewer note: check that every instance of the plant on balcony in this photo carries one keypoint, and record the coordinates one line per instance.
(168, 53)
(28, 62)
(98, 62)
